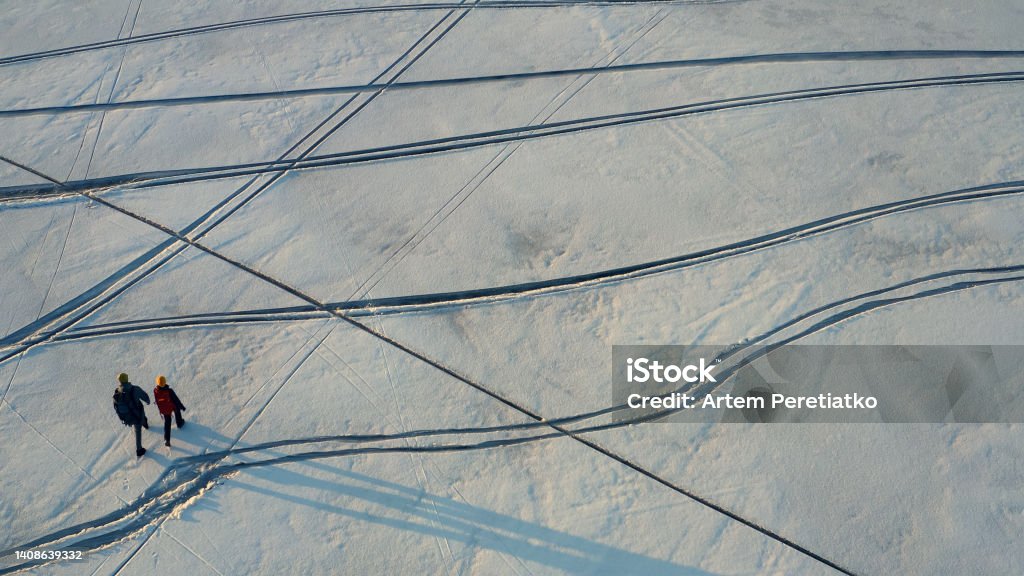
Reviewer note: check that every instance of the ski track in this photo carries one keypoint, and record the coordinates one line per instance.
(790, 57)
(488, 138)
(193, 30)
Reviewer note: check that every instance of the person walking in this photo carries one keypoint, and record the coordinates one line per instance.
(168, 403)
(128, 399)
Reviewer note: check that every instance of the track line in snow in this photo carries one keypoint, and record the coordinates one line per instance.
(28, 169)
(60, 259)
(960, 279)
(72, 461)
(181, 483)
(284, 382)
(493, 137)
(862, 308)
(137, 5)
(194, 553)
(275, 19)
(793, 57)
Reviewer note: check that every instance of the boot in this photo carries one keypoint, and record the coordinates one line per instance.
(139, 453)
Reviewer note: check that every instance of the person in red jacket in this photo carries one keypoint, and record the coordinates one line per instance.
(168, 403)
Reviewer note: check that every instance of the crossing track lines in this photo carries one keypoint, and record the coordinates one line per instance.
(68, 314)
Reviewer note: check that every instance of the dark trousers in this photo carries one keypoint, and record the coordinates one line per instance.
(138, 436)
(167, 424)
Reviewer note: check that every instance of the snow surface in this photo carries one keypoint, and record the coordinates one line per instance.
(323, 438)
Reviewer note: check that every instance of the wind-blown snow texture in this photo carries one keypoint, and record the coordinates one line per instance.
(390, 311)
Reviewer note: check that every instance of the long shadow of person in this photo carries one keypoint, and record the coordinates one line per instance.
(375, 500)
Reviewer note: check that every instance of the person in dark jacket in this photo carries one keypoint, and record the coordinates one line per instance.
(168, 403)
(128, 399)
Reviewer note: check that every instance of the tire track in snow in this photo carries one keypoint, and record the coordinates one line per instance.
(151, 528)
(492, 137)
(179, 242)
(959, 280)
(792, 57)
(204, 29)
(436, 301)
(860, 309)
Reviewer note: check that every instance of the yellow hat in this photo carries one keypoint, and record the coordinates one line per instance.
(161, 381)
(122, 378)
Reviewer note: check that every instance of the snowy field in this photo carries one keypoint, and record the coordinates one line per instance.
(382, 249)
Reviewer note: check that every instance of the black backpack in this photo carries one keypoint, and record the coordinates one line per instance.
(123, 407)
